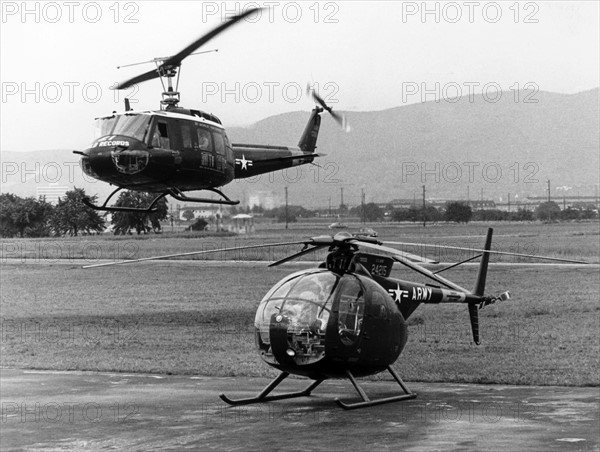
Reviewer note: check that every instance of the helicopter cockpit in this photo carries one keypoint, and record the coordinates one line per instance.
(298, 314)
(128, 124)
(133, 139)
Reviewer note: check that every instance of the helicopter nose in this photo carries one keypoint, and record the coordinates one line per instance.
(98, 162)
(130, 161)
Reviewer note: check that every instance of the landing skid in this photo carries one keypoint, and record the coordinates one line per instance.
(368, 402)
(265, 397)
(105, 208)
(180, 196)
(174, 192)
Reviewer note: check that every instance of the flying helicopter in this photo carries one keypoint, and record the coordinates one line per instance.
(347, 317)
(175, 149)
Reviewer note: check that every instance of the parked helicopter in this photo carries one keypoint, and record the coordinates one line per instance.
(347, 318)
(174, 149)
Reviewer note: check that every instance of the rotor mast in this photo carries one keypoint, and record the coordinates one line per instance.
(170, 97)
(167, 68)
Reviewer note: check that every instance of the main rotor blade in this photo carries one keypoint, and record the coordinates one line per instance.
(397, 255)
(176, 59)
(508, 253)
(151, 74)
(192, 253)
(294, 256)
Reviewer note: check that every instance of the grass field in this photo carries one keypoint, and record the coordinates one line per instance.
(566, 240)
(196, 318)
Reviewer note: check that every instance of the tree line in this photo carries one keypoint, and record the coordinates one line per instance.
(454, 212)
(31, 217)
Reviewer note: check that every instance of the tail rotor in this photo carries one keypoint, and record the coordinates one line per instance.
(340, 119)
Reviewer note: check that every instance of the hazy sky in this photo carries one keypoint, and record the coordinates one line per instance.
(58, 59)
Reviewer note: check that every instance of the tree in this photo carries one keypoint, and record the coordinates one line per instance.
(293, 213)
(199, 225)
(124, 222)
(458, 212)
(490, 215)
(431, 214)
(188, 214)
(71, 216)
(521, 215)
(26, 217)
(547, 211)
(257, 209)
(8, 205)
(372, 212)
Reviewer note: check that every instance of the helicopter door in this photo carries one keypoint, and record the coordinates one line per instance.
(160, 136)
(219, 142)
(351, 310)
(202, 140)
(186, 135)
(229, 159)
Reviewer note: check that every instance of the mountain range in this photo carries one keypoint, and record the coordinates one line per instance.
(457, 148)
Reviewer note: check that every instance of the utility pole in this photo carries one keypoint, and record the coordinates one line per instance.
(330, 206)
(362, 203)
(424, 216)
(509, 203)
(171, 208)
(286, 207)
(548, 190)
(341, 198)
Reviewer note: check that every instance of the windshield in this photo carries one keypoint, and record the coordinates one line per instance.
(304, 299)
(131, 125)
(104, 126)
(135, 126)
(291, 321)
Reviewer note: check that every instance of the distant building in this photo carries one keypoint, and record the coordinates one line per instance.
(265, 199)
(242, 224)
(483, 204)
(51, 193)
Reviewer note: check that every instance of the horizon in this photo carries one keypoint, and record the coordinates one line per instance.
(249, 126)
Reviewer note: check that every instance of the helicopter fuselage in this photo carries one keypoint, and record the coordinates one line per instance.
(319, 323)
(155, 151)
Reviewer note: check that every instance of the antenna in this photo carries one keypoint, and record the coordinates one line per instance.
(161, 59)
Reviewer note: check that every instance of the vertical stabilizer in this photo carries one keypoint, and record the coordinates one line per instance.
(483, 265)
(308, 141)
(480, 286)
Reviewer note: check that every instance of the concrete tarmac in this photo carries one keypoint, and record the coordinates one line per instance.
(72, 411)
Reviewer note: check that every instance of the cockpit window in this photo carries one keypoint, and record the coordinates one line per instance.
(104, 126)
(295, 315)
(305, 299)
(135, 126)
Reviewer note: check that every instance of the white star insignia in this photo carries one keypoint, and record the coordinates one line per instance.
(243, 162)
(397, 293)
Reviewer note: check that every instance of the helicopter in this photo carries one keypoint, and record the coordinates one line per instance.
(347, 317)
(175, 149)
